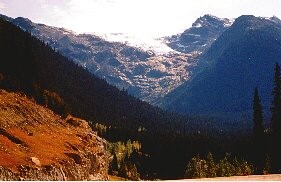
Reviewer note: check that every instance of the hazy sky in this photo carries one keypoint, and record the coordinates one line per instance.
(147, 18)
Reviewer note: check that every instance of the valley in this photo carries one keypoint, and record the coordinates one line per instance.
(203, 103)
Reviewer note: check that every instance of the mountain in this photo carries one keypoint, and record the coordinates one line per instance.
(143, 74)
(37, 144)
(30, 66)
(204, 31)
(242, 58)
(158, 144)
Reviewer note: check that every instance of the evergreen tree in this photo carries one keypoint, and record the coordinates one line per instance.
(211, 171)
(196, 168)
(267, 166)
(276, 122)
(225, 167)
(113, 168)
(258, 152)
(258, 118)
(276, 105)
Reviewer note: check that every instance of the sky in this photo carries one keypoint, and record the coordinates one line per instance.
(142, 18)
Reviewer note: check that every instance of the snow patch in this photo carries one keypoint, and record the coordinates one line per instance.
(156, 45)
(198, 25)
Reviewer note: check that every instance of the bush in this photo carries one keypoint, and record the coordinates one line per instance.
(225, 167)
(55, 102)
(126, 155)
(128, 170)
(196, 168)
(211, 170)
(200, 168)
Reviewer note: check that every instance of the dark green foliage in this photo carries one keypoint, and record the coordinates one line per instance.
(276, 104)
(257, 117)
(276, 122)
(258, 134)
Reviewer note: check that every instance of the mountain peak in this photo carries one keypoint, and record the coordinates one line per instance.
(210, 16)
(22, 19)
(211, 20)
(275, 19)
(200, 36)
(252, 22)
(25, 23)
(241, 58)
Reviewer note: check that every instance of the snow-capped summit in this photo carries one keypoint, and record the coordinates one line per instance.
(210, 20)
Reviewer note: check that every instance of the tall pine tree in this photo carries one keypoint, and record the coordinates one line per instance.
(258, 132)
(276, 104)
(258, 117)
(276, 122)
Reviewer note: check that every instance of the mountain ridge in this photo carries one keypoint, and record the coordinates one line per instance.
(124, 66)
(245, 40)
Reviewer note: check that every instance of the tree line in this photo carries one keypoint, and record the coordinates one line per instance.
(265, 150)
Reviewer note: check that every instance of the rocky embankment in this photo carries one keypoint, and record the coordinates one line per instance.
(36, 144)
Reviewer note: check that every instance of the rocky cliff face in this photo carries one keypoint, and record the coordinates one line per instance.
(36, 144)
